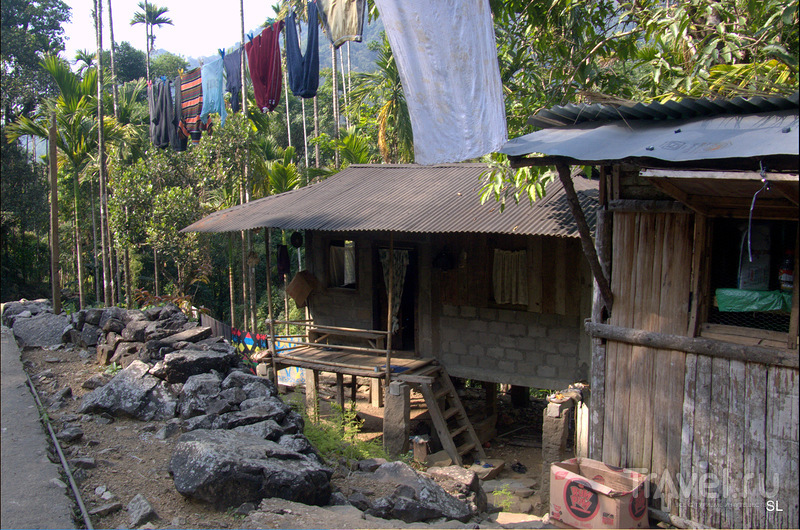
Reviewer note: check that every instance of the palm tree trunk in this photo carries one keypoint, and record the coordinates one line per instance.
(147, 40)
(55, 277)
(245, 298)
(231, 288)
(114, 91)
(335, 105)
(344, 89)
(78, 260)
(316, 133)
(94, 242)
(305, 133)
(101, 148)
(128, 293)
(288, 122)
(252, 280)
(155, 270)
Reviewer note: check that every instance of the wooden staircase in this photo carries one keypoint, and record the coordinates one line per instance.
(450, 420)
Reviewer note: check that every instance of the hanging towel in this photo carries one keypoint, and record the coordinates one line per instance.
(191, 100)
(213, 82)
(233, 73)
(303, 72)
(343, 20)
(447, 58)
(264, 59)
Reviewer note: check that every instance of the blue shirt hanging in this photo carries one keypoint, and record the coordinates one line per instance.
(213, 101)
(303, 72)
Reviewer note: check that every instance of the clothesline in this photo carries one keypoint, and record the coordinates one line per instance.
(180, 109)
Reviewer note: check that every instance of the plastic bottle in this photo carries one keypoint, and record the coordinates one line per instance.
(786, 272)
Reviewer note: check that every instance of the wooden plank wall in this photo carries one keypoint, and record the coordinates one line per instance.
(725, 431)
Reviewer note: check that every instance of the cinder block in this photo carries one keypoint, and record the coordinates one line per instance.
(495, 352)
(513, 355)
(546, 371)
(517, 330)
(468, 312)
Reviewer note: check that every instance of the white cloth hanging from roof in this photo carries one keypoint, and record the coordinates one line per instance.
(446, 54)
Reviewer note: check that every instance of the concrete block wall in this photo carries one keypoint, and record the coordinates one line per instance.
(516, 347)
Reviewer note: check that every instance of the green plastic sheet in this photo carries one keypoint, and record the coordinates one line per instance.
(740, 300)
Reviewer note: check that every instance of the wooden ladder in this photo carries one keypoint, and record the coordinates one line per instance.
(447, 412)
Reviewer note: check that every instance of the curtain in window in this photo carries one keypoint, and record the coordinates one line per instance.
(509, 277)
(343, 265)
(398, 272)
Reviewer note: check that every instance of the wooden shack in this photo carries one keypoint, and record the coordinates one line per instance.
(491, 296)
(695, 321)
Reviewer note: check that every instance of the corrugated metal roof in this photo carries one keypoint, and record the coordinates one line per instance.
(726, 136)
(570, 114)
(406, 198)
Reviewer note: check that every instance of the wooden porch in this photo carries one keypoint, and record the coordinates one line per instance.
(334, 349)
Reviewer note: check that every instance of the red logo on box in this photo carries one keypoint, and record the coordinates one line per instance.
(608, 518)
(638, 506)
(582, 501)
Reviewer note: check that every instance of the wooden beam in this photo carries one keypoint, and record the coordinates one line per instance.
(649, 206)
(698, 273)
(586, 237)
(795, 315)
(700, 346)
(791, 192)
(719, 175)
(785, 163)
(677, 193)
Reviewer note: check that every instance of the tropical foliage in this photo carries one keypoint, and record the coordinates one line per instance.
(550, 52)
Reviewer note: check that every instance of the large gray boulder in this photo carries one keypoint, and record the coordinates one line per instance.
(197, 393)
(428, 497)
(227, 468)
(38, 331)
(181, 365)
(12, 309)
(133, 392)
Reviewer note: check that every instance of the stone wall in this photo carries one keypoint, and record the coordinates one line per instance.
(516, 347)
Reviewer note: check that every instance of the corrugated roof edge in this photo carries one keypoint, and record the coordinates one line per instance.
(571, 114)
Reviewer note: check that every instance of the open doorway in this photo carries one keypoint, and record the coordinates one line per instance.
(405, 337)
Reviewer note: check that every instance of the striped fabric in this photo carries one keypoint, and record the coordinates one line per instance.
(192, 99)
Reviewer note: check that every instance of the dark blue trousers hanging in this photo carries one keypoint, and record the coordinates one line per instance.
(233, 71)
(303, 72)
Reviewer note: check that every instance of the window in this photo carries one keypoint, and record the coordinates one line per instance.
(510, 277)
(342, 264)
(750, 280)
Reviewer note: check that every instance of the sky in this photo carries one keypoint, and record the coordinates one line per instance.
(198, 29)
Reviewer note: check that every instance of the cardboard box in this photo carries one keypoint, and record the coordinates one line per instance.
(586, 493)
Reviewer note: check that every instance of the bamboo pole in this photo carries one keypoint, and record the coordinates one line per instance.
(389, 318)
(55, 278)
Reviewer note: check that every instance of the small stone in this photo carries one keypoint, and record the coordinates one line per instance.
(106, 509)
(80, 476)
(99, 490)
(107, 496)
(83, 463)
(52, 360)
(140, 511)
(523, 493)
(244, 509)
(104, 418)
(70, 433)
(58, 483)
(178, 521)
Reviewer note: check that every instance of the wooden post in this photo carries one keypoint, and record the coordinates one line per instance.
(586, 236)
(272, 350)
(389, 318)
(55, 278)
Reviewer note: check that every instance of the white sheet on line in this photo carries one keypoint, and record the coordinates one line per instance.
(446, 54)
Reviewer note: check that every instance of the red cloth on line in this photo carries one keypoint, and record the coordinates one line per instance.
(264, 60)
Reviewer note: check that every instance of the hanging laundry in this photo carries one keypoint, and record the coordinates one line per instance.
(447, 58)
(264, 59)
(191, 100)
(212, 83)
(233, 73)
(180, 141)
(165, 126)
(343, 20)
(303, 72)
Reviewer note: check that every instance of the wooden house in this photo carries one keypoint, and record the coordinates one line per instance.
(695, 322)
(497, 297)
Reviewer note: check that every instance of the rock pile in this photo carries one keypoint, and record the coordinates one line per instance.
(239, 442)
